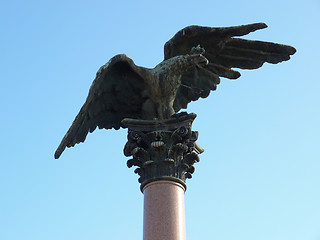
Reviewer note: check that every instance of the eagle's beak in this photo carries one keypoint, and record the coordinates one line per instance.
(203, 60)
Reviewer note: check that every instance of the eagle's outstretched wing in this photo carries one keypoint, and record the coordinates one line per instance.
(115, 94)
(224, 52)
(120, 89)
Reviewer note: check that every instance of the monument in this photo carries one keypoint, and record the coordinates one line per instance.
(147, 102)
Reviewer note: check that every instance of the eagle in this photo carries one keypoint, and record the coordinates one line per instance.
(194, 60)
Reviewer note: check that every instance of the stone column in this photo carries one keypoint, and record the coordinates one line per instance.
(164, 152)
(164, 215)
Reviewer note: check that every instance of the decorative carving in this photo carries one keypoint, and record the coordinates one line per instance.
(162, 149)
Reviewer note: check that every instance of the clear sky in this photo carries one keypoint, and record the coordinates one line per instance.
(258, 178)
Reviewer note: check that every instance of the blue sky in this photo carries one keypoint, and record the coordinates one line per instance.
(259, 175)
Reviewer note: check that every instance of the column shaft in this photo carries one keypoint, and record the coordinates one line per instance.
(164, 213)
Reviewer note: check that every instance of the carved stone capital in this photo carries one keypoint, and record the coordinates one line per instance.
(162, 149)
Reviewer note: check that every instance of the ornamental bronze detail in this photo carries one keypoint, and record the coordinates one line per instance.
(162, 150)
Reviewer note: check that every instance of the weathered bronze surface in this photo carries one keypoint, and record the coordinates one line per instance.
(194, 59)
(162, 149)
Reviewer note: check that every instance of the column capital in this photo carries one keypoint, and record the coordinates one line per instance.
(162, 149)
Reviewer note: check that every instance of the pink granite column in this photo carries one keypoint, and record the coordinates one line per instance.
(164, 214)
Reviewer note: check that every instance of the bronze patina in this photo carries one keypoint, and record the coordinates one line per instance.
(194, 60)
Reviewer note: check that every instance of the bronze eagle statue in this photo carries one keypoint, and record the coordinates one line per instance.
(194, 59)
